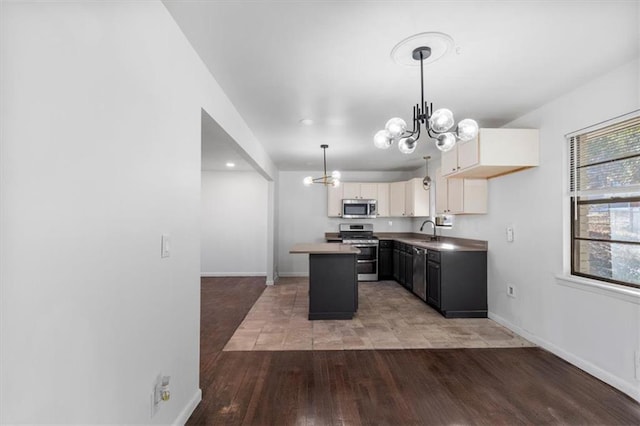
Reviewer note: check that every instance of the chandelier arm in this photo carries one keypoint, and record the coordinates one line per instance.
(432, 133)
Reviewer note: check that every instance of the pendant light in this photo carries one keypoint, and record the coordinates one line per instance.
(423, 47)
(426, 182)
(326, 180)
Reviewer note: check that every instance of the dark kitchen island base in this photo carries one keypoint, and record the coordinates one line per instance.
(333, 286)
(333, 279)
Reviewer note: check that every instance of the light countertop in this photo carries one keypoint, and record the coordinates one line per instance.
(423, 241)
(324, 248)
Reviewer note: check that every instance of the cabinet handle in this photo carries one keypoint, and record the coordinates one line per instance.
(458, 167)
(453, 170)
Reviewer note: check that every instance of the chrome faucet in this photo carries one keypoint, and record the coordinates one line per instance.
(435, 237)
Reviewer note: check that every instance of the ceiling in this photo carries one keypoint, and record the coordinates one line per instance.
(218, 149)
(283, 61)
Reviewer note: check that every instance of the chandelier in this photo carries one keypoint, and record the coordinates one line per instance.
(438, 123)
(326, 180)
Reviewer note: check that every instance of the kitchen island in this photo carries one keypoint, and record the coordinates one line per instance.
(333, 279)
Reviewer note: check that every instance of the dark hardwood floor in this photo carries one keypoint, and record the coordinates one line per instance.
(387, 387)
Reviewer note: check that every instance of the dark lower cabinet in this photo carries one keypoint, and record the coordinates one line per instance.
(396, 262)
(456, 280)
(385, 260)
(457, 283)
(408, 267)
(403, 269)
(433, 283)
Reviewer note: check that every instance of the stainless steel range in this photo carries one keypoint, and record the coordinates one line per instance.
(361, 235)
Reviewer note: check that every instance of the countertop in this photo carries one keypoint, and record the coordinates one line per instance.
(422, 240)
(324, 248)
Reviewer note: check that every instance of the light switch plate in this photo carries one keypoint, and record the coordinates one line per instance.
(510, 234)
(166, 249)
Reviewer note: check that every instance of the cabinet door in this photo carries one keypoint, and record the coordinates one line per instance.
(396, 199)
(385, 263)
(421, 199)
(455, 196)
(468, 153)
(369, 191)
(475, 195)
(449, 161)
(408, 268)
(351, 190)
(402, 270)
(417, 199)
(440, 186)
(383, 199)
(433, 284)
(409, 200)
(334, 201)
(396, 264)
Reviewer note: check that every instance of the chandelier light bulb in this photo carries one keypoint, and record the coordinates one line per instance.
(407, 145)
(382, 139)
(336, 175)
(441, 120)
(396, 127)
(308, 181)
(445, 142)
(336, 183)
(467, 129)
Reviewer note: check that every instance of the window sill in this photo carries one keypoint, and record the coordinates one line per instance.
(628, 294)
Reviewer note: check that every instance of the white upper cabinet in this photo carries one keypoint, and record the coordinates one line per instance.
(493, 153)
(416, 199)
(383, 199)
(369, 191)
(355, 190)
(397, 196)
(334, 201)
(395, 199)
(350, 190)
(460, 196)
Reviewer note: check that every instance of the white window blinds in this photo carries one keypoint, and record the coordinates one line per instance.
(606, 160)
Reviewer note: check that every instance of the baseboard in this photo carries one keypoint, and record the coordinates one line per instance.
(293, 274)
(187, 411)
(232, 274)
(632, 390)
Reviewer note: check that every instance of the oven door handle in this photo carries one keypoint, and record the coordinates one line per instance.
(364, 245)
(366, 261)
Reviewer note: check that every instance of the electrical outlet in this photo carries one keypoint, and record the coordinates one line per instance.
(637, 363)
(511, 290)
(159, 393)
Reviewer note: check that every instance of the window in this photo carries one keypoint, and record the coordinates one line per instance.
(605, 202)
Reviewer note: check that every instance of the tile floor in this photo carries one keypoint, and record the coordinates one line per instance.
(389, 317)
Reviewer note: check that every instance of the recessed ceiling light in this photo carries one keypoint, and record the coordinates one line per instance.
(231, 164)
(306, 122)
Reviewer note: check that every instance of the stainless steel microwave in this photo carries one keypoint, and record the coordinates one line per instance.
(359, 209)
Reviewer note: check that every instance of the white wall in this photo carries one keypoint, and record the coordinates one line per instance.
(302, 215)
(100, 155)
(234, 224)
(595, 330)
